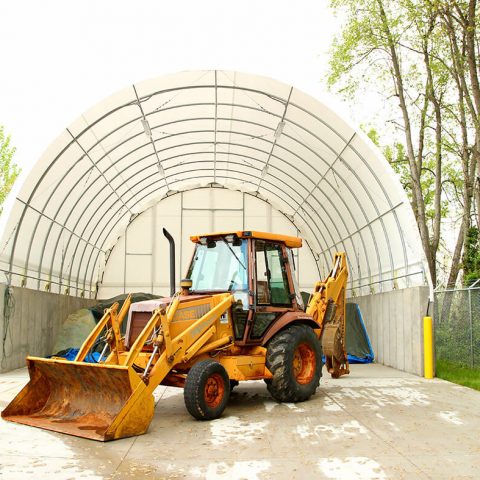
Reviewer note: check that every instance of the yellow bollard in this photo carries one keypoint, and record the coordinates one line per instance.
(428, 347)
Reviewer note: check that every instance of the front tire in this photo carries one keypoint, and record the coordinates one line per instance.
(207, 389)
(294, 357)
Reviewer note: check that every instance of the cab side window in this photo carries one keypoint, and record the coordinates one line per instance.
(272, 283)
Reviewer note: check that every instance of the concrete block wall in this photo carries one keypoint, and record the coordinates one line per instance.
(34, 323)
(394, 322)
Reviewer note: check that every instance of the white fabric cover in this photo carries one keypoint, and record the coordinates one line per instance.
(229, 129)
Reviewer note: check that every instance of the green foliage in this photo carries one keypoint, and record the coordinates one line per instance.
(471, 257)
(8, 170)
(372, 135)
(452, 372)
(397, 158)
(397, 65)
(359, 56)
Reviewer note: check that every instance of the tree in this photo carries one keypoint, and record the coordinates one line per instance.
(459, 25)
(471, 261)
(421, 54)
(8, 170)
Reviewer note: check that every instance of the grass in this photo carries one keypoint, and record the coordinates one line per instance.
(468, 377)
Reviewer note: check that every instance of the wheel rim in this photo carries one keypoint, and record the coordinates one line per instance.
(214, 390)
(304, 363)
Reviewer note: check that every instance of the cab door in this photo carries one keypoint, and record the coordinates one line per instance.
(273, 294)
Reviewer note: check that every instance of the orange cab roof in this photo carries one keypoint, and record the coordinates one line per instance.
(292, 242)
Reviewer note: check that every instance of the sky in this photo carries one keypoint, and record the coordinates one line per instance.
(60, 58)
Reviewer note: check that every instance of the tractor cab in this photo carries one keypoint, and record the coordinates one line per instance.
(257, 268)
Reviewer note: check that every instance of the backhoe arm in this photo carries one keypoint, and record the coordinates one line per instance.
(327, 307)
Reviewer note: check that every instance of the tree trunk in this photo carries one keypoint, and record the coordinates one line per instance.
(437, 202)
(477, 195)
(414, 167)
(470, 43)
(457, 255)
(469, 157)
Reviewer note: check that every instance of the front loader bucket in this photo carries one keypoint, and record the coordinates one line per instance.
(96, 401)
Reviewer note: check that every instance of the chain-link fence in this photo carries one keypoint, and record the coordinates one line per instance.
(457, 326)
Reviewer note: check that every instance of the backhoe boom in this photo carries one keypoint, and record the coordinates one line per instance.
(327, 307)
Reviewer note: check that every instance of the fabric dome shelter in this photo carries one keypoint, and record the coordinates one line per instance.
(214, 129)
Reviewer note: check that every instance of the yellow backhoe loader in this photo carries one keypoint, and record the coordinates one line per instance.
(239, 316)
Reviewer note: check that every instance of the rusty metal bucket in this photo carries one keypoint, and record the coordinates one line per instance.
(99, 402)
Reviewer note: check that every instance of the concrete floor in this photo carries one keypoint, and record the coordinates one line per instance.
(375, 423)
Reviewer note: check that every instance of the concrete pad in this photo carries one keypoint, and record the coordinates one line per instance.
(376, 423)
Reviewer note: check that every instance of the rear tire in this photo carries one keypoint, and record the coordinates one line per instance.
(294, 356)
(207, 389)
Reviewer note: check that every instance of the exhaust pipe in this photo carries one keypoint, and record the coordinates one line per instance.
(172, 260)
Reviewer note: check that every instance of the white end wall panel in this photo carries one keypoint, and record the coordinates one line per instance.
(147, 259)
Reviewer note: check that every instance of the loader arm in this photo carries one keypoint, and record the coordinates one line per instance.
(113, 399)
(169, 351)
(112, 322)
(327, 307)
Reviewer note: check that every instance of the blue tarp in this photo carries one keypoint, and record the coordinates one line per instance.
(71, 353)
(354, 359)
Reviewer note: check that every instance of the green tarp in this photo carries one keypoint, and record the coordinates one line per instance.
(358, 344)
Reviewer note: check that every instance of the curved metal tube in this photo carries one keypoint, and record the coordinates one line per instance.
(171, 241)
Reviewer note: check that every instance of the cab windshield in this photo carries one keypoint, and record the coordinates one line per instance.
(220, 265)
